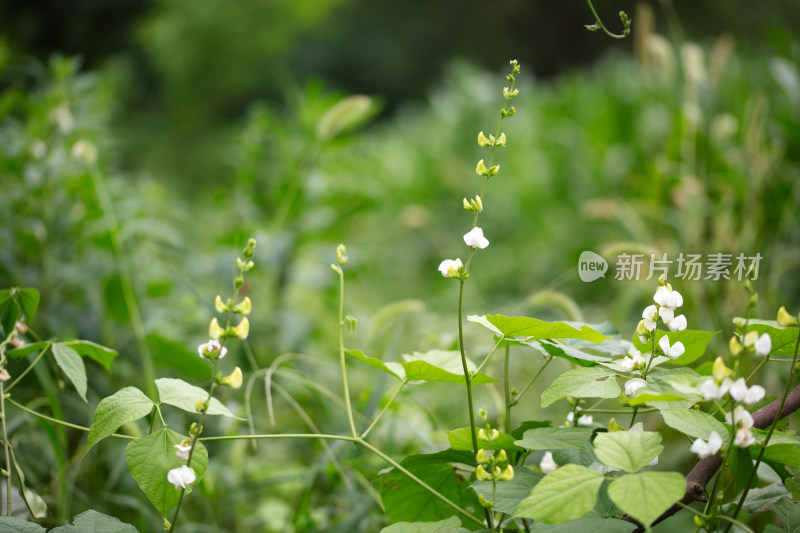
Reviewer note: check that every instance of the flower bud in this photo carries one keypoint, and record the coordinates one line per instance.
(200, 405)
(244, 266)
(219, 306)
(214, 331)
(481, 169)
(478, 203)
(484, 502)
(753, 299)
(735, 347)
(739, 322)
(238, 281)
(481, 457)
(244, 307)
(482, 140)
(501, 141)
(481, 474)
(501, 457)
(84, 152)
(467, 205)
(340, 257)
(719, 371)
(785, 319)
(507, 474)
(243, 329)
(482, 413)
(234, 380)
(4, 375)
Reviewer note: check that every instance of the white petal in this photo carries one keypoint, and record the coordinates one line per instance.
(714, 442)
(662, 296)
(678, 323)
(547, 464)
(701, 448)
(754, 394)
(666, 314)
(710, 390)
(475, 238)
(738, 389)
(763, 344)
(585, 420)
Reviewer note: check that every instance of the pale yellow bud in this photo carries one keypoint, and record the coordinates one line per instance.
(234, 381)
(481, 457)
(467, 205)
(478, 203)
(719, 371)
(244, 307)
(482, 140)
(243, 329)
(214, 331)
(501, 141)
(481, 474)
(219, 306)
(507, 474)
(735, 347)
(481, 169)
(785, 319)
(501, 457)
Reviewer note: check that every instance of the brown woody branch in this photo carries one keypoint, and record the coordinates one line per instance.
(704, 470)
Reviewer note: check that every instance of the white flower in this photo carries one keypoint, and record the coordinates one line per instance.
(666, 314)
(678, 323)
(763, 345)
(547, 464)
(84, 151)
(674, 351)
(741, 393)
(212, 349)
(183, 449)
(650, 316)
(475, 238)
(629, 363)
(633, 385)
(704, 449)
(449, 267)
(744, 438)
(570, 417)
(666, 297)
(712, 391)
(181, 477)
(741, 417)
(585, 420)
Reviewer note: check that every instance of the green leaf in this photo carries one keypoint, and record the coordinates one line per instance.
(19, 353)
(522, 326)
(555, 438)
(509, 494)
(151, 458)
(94, 522)
(785, 454)
(764, 498)
(564, 494)
(592, 524)
(556, 349)
(448, 525)
(694, 341)
(9, 524)
(441, 365)
(71, 363)
(645, 496)
(461, 439)
(346, 114)
(783, 339)
(627, 450)
(35, 504)
(693, 423)
(682, 382)
(122, 407)
(176, 355)
(28, 300)
(184, 396)
(395, 369)
(101, 354)
(407, 501)
(778, 437)
(582, 383)
(741, 466)
(789, 513)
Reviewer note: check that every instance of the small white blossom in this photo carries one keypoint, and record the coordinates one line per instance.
(650, 316)
(183, 449)
(85, 152)
(547, 464)
(633, 385)
(666, 314)
(674, 351)
(629, 363)
(744, 438)
(741, 418)
(475, 238)
(450, 267)
(585, 420)
(666, 297)
(181, 477)
(712, 391)
(704, 449)
(749, 396)
(763, 345)
(678, 323)
(211, 349)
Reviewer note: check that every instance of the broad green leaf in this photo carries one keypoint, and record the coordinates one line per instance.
(406, 501)
(184, 396)
(448, 525)
(645, 496)
(35, 504)
(564, 351)
(693, 423)
(171, 354)
(555, 438)
(18, 353)
(101, 354)
(125, 405)
(683, 382)
(29, 301)
(789, 513)
(481, 320)
(785, 454)
(508, 494)
(567, 493)
(522, 326)
(567, 456)
(604, 505)
(741, 467)
(71, 363)
(587, 524)
(461, 439)
(627, 450)
(395, 369)
(783, 339)
(694, 341)
(764, 498)
(151, 458)
(441, 365)
(519, 431)
(345, 115)
(94, 522)
(10, 524)
(582, 383)
(778, 437)
(661, 392)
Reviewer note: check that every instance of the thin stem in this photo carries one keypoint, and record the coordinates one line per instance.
(61, 422)
(488, 356)
(385, 408)
(599, 23)
(6, 447)
(533, 379)
(29, 367)
(467, 378)
(507, 389)
(618, 411)
(342, 362)
(769, 434)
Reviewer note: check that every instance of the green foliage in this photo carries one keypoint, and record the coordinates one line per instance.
(555, 438)
(448, 525)
(592, 382)
(627, 450)
(508, 495)
(646, 495)
(124, 406)
(184, 396)
(565, 494)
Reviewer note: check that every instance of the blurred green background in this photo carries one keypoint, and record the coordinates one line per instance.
(212, 123)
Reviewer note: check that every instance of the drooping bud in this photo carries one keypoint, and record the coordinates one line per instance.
(735, 347)
(340, 257)
(507, 474)
(481, 457)
(219, 306)
(501, 141)
(243, 329)
(244, 307)
(785, 319)
(481, 474)
(214, 331)
(483, 141)
(234, 380)
(719, 371)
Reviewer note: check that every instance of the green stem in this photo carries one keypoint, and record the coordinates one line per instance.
(599, 23)
(61, 422)
(342, 362)
(467, 378)
(769, 434)
(385, 408)
(30, 366)
(6, 447)
(633, 415)
(486, 359)
(532, 380)
(507, 389)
